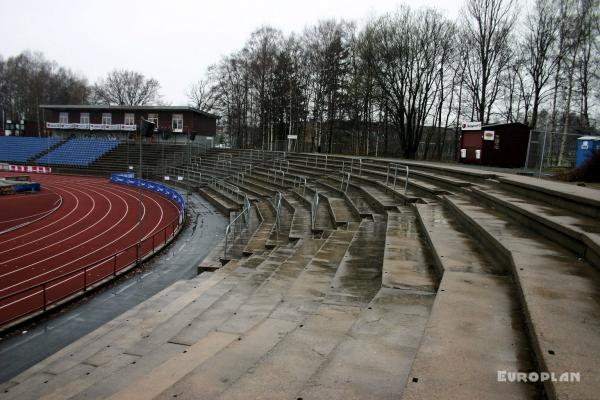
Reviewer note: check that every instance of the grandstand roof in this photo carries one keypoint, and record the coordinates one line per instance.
(132, 108)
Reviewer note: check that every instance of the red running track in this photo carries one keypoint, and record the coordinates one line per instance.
(39, 205)
(90, 238)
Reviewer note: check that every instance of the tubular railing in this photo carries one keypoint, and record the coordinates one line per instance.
(300, 182)
(277, 207)
(225, 187)
(346, 179)
(395, 167)
(40, 297)
(314, 207)
(235, 227)
(359, 161)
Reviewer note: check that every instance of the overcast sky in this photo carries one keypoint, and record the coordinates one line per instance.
(172, 41)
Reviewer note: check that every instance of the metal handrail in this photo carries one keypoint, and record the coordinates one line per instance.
(243, 216)
(347, 180)
(359, 166)
(300, 180)
(395, 167)
(314, 206)
(277, 207)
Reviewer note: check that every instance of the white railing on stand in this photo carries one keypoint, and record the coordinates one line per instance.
(395, 167)
(314, 207)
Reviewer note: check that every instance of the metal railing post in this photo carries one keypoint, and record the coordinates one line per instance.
(406, 183)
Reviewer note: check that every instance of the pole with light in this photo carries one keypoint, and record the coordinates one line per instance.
(146, 130)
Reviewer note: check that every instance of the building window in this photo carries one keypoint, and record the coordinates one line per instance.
(129, 119)
(177, 124)
(154, 119)
(63, 118)
(106, 119)
(84, 118)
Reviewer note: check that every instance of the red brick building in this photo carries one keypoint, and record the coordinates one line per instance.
(174, 123)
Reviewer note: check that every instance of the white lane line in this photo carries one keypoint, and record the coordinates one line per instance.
(44, 226)
(112, 187)
(54, 243)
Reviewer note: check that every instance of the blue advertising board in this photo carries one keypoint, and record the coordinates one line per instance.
(126, 179)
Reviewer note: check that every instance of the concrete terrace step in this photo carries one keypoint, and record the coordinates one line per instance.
(560, 296)
(301, 222)
(106, 340)
(579, 233)
(323, 220)
(572, 197)
(258, 241)
(247, 278)
(358, 277)
(407, 264)
(373, 360)
(340, 209)
(223, 204)
(485, 336)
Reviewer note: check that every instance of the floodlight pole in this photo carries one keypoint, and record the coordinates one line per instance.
(139, 198)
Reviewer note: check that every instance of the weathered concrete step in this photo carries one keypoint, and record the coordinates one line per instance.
(440, 179)
(324, 220)
(407, 262)
(358, 277)
(283, 372)
(571, 197)
(300, 226)
(72, 387)
(166, 374)
(374, 359)
(250, 277)
(214, 376)
(380, 172)
(280, 234)
(273, 290)
(340, 209)
(258, 241)
(452, 246)
(476, 322)
(144, 314)
(311, 286)
(578, 233)
(560, 295)
(224, 205)
(357, 206)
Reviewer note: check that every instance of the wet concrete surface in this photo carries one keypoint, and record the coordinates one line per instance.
(358, 277)
(34, 342)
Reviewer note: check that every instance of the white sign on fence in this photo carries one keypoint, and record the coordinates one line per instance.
(292, 137)
(488, 135)
(180, 178)
(478, 154)
(463, 153)
(471, 126)
(167, 178)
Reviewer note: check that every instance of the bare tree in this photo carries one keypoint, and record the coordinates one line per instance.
(202, 95)
(540, 39)
(406, 52)
(122, 87)
(487, 26)
(29, 79)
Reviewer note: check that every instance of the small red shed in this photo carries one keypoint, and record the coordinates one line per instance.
(499, 145)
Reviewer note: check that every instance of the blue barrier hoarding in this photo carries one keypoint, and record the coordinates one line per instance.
(125, 179)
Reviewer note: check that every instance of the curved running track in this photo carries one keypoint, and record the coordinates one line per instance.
(88, 238)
